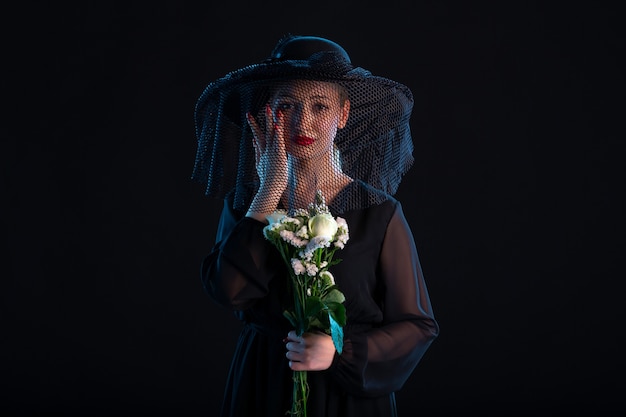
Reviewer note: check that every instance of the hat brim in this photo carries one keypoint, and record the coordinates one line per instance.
(377, 128)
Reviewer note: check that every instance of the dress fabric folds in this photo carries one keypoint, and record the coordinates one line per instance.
(390, 322)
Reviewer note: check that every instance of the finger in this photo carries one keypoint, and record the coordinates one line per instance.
(272, 123)
(293, 337)
(258, 138)
(277, 142)
(254, 126)
(293, 356)
(295, 347)
(279, 132)
(297, 366)
(269, 117)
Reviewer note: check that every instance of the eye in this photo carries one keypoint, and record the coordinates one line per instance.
(284, 104)
(320, 106)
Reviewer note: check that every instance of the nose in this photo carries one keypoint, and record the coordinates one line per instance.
(301, 116)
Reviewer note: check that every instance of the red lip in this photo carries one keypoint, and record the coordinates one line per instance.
(303, 140)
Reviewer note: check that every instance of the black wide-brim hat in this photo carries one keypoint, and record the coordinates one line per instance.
(375, 145)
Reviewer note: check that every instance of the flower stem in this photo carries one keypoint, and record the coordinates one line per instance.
(300, 394)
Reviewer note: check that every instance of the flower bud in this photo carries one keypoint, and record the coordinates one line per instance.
(323, 225)
(327, 278)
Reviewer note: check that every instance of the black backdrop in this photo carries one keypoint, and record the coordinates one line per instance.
(515, 200)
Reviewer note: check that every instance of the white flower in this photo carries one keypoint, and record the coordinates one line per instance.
(342, 233)
(341, 223)
(303, 232)
(305, 255)
(342, 239)
(312, 245)
(323, 225)
(327, 278)
(301, 213)
(311, 268)
(291, 238)
(318, 242)
(287, 235)
(298, 267)
(276, 216)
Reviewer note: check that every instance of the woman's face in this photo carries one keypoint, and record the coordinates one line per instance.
(311, 112)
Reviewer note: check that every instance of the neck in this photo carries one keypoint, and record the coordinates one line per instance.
(307, 176)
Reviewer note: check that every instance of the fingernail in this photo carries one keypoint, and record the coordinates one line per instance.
(285, 340)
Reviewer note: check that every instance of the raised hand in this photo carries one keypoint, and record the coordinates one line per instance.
(271, 162)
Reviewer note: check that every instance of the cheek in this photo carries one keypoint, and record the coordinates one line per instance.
(327, 127)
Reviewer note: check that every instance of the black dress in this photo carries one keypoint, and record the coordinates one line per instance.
(390, 323)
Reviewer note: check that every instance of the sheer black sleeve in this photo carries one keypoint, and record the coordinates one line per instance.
(378, 361)
(237, 271)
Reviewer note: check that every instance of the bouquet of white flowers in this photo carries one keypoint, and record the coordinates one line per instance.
(307, 240)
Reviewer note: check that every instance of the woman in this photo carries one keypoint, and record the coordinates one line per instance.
(269, 136)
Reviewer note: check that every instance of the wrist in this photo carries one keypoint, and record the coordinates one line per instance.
(262, 206)
(262, 217)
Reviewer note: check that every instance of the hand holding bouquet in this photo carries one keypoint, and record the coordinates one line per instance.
(307, 240)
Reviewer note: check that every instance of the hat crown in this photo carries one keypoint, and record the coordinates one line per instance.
(303, 47)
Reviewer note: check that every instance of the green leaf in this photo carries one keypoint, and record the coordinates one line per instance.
(334, 296)
(338, 312)
(313, 306)
(334, 262)
(316, 323)
(322, 316)
(291, 318)
(336, 331)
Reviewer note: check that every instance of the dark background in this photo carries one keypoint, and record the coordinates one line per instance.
(515, 200)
